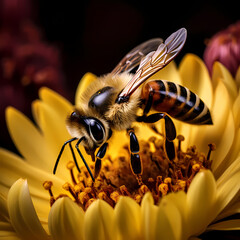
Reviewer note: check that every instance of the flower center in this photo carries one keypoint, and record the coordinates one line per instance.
(160, 176)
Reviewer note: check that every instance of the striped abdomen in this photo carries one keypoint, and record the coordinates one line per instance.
(177, 101)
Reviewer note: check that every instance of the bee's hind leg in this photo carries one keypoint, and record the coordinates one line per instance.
(170, 131)
(100, 154)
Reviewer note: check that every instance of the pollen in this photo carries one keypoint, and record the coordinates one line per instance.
(160, 176)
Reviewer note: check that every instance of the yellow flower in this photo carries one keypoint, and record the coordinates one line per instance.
(25, 212)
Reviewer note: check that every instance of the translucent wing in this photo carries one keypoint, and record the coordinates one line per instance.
(154, 61)
(134, 57)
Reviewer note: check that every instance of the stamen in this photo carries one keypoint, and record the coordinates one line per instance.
(160, 176)
(70, 189)
(70, 166)
(180, 139)
(48, 186)
(212, 147)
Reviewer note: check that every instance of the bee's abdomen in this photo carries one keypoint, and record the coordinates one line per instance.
(177, 101)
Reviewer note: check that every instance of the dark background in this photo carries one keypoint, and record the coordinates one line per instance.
(92, 36)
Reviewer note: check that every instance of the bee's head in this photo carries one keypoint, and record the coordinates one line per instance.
(94, 131)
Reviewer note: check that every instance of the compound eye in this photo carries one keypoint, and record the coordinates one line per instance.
(97, 131)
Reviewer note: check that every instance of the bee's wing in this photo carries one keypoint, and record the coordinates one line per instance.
(154, 61)
(134, 57)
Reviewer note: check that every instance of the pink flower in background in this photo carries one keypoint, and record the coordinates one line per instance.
(225, 48)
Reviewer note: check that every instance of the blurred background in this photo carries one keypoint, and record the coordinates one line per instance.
(54, 43)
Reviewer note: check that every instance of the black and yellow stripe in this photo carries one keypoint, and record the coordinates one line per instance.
(177, 101)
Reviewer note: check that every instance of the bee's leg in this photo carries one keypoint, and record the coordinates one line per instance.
(136, 164)
(170, 131)
(100, 154)
(84, 161)
(61, 152)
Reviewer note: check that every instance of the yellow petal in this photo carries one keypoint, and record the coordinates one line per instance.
(228, 172)
(22, 213)
(87, 79)
(228, 191)
(7, 232)
(229, 210)
(169, 73)
(13, 167)
(194, 75)
(55, 134)
(27, 138)
(238, 77)
(55, 101)
(221, 132)
(236, 111)
(66, 220)
(128, 219)
(227, 225)
(201, 197)
(168, 222)
(149, 214)
(99, 222)
(4, 216)
(221, 72)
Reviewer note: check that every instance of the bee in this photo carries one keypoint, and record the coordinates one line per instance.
(111, 103)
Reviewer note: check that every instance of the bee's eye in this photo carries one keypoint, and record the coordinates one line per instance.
(97, 131)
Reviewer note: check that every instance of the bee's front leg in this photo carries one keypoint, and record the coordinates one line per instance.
(136, 164)
(100, 154)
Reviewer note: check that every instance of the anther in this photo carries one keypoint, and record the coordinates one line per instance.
(124, 191)
(102, 195)
(115, 196)
(83, 197)
(143, 189)
(163, 188)
(180, 139)
(212, 147)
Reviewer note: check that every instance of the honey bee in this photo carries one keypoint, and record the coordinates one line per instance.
(111, 103)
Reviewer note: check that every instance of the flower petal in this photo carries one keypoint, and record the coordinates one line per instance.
(236, 111)
(22, 213)
(7, 232)
(55, 101)
(149, 214)
(227, 225)
(201, 197)
(87, 79)
(194, 75)
(65, 220)
(228, 191)
(238, 77)
(229, 210)
(168, 222)
(128, 218)
(4, 216)
(27, 138)
(55, 134)
(99, 221)
(12, 167)
(221, 72)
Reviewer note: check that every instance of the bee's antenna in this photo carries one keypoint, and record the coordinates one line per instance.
(84, 161)
(60, 154)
